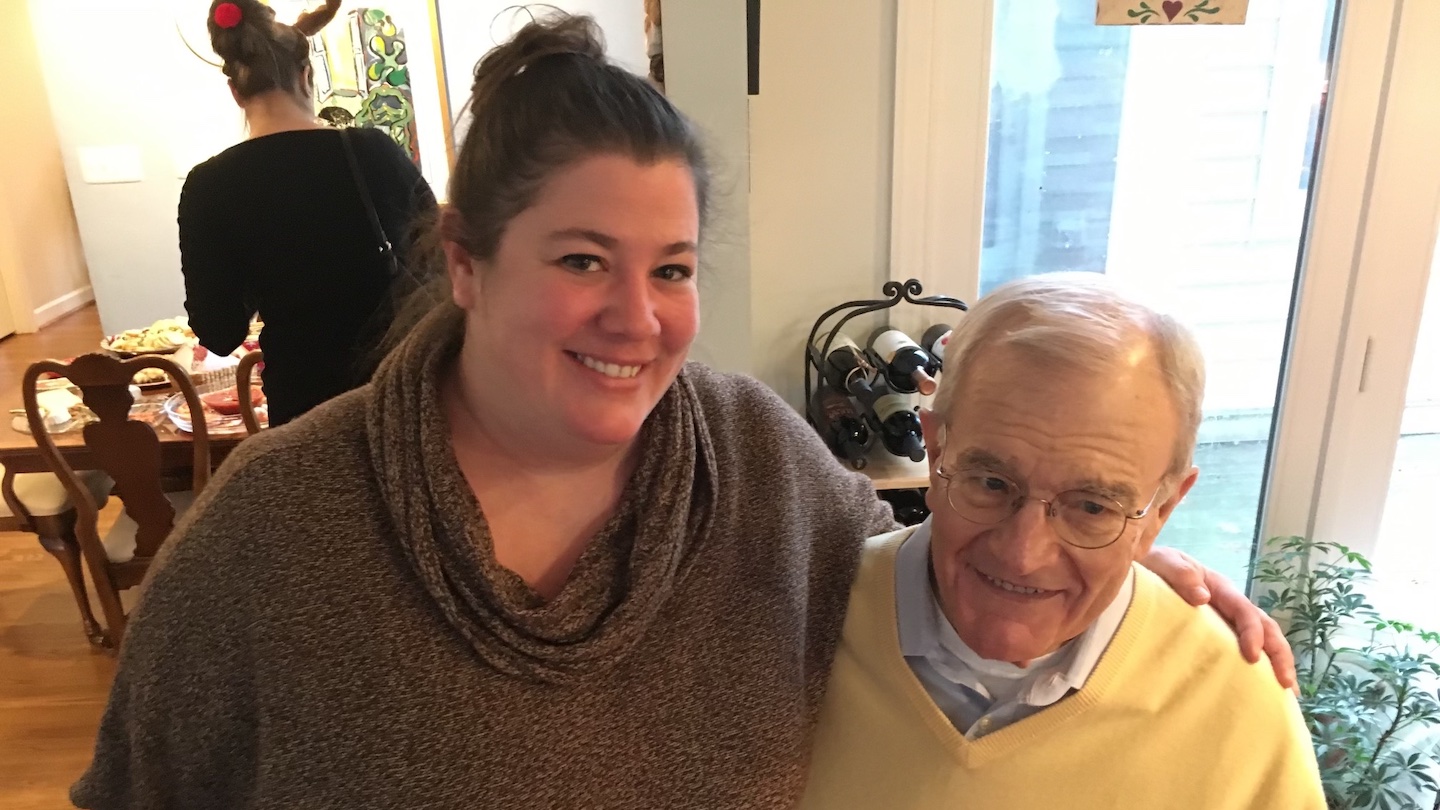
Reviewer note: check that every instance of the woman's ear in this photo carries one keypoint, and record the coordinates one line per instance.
(459, 264)
(307, 82)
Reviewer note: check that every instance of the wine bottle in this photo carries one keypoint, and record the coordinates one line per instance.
(841, 426)
(846, 369)
(908, 505)
(907, 367)
(935, 339)
(899, 425)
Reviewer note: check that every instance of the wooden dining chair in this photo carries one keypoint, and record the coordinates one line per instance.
(244, 380)
(128, 451)
(38, 503)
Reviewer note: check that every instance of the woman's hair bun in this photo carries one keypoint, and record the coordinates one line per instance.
(311, 22)
(259, 53)
(558, 34)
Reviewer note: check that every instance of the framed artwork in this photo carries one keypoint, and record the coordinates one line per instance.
(1170, 12)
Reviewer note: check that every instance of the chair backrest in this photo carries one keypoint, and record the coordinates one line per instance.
(243, 381)
(127, 450)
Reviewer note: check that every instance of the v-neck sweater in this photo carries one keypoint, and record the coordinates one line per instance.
(1171, 717)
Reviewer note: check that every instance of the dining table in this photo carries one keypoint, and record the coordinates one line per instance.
(19, 452)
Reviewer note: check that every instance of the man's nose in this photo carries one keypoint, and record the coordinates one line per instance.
(1028, 540)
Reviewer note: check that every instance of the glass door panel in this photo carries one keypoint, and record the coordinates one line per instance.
(1179, 159)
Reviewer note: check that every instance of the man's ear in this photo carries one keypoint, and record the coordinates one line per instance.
(934, 431)
(1163, 511)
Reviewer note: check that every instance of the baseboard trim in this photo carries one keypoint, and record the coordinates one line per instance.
(62, 306)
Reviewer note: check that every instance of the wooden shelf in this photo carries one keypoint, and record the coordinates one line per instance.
(888, 471)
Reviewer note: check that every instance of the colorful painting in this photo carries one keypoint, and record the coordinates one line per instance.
(362, 77)
(1171, 12)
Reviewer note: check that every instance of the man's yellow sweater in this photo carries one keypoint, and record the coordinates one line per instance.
(1171, 717)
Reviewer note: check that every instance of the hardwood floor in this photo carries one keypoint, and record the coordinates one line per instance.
(53, 685)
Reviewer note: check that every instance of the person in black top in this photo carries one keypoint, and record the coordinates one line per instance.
(276, 225)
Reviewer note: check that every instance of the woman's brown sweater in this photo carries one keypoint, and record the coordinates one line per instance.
(328, 627)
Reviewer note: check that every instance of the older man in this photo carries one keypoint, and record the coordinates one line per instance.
(1009, 653)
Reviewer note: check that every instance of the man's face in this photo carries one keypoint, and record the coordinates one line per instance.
(1015, 590)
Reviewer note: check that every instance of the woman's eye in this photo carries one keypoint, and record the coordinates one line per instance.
(674, 272)
(581, 262)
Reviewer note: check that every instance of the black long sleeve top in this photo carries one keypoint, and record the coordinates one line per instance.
(276, 226)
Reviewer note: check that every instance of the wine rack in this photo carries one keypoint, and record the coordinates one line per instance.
(817, 350)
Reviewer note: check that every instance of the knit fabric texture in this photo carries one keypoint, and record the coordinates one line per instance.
(328, 626)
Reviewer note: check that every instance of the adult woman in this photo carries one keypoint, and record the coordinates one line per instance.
(278, 225)
(536, 562)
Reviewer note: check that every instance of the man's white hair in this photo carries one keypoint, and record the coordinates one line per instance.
(1080, 322)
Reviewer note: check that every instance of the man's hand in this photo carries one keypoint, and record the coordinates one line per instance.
(1199, 585)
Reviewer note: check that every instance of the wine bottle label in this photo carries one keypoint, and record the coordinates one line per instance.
(840, 342)
(887, 344)
(938, 341)
(891, 404)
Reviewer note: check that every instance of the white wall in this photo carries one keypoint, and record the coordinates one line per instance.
(820, 150)
(128, 229)
(40, 254)
(121, 77)
(471, 28)
(814, 228)
(705, 77)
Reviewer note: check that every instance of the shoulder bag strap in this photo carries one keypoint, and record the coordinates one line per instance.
(387, 251)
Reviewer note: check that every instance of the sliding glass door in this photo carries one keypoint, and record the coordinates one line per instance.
(1178, 159)
(1273, 183)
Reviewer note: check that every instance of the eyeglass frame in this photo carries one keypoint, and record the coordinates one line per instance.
(1051, 513)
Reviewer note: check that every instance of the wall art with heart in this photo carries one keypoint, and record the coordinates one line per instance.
(1170, 12)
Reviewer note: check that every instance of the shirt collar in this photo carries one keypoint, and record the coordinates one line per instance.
(913, 595)
(925, 632)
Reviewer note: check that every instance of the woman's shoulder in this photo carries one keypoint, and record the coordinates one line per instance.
(254, 155)
(323, 454)
(758, 430)
(733, 392)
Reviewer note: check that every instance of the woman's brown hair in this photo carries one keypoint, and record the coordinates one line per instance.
(261, 54)
(540, 102)
(544, 100)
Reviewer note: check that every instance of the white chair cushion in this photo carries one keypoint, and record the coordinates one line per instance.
(44, 496)
(120, 540)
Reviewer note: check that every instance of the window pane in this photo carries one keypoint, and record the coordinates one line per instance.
(1176, 158)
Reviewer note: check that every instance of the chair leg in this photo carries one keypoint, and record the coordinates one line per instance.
(67, 552)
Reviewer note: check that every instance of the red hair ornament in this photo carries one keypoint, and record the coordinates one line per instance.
(227, 15)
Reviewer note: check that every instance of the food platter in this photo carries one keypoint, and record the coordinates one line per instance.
(165, 336)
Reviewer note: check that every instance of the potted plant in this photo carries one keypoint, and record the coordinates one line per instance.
(1367, 684)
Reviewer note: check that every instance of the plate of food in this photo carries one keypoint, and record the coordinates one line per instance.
(165, 336)
(151, 379)
(147, 379)
(222, 411)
